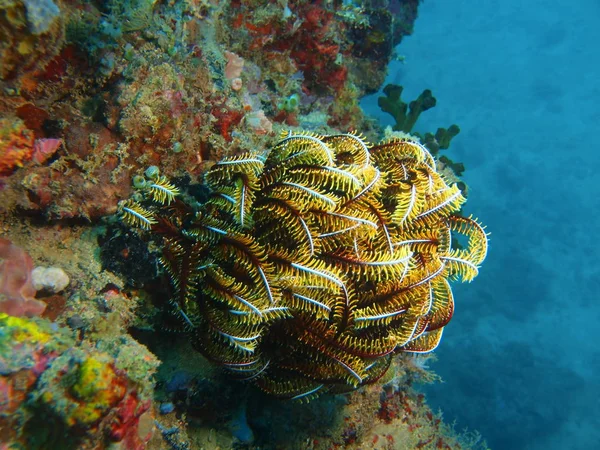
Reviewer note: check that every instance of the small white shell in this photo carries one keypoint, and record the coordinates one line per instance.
(50, 279)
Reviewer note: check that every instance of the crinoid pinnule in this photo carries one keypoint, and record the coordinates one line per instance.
(305, 271)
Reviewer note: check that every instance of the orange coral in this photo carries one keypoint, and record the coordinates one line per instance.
(16, 145)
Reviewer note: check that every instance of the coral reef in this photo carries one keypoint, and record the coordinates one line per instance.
(56, 392)
(331, 44)
(93, 93)
(178, 85)
(26, 349)
(311, 265)
(394, 416)
(31, 34)
(80, 382)
(16, 144)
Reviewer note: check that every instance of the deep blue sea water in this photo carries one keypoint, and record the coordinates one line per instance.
(520, 359)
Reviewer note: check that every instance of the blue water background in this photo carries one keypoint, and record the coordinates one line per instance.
(520, 359)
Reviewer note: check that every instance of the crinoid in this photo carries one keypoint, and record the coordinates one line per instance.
(308, 269)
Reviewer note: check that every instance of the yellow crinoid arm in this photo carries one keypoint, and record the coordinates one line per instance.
(134, 215)
(464, 263)
(162, 191)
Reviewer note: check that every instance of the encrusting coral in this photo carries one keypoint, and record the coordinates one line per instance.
(16, 144)
(308, 268)
(59, 392)
(31, 34)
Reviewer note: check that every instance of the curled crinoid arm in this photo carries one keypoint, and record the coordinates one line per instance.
(425, 343)
(225, 173)
(441, 205)
(134, 215)
(233, 182)
(350, 148)
(299, 148)
(441, 306)
(464, 263)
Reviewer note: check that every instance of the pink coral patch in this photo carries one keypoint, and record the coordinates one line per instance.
(259, 122)
(43, 149)
(234, 66)
(16, 291)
